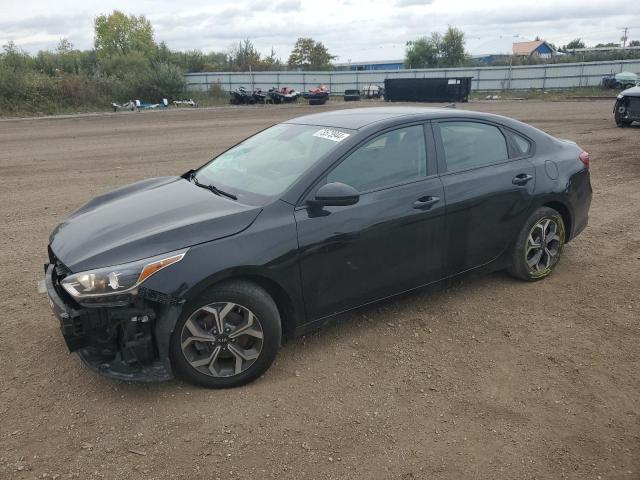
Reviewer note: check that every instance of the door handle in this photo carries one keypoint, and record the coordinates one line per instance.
(522, 179)
(425, 202)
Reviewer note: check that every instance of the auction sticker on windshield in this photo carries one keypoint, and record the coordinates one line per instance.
(331, 134)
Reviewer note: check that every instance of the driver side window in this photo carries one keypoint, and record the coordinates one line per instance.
(388, 159)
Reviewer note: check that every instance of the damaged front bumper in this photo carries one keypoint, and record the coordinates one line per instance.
(627, 108)
(129, 343)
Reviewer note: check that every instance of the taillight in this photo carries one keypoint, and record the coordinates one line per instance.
(584, 158)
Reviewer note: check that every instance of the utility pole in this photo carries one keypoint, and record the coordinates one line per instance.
(625, 37)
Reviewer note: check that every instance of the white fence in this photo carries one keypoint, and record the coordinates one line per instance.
(565, 75)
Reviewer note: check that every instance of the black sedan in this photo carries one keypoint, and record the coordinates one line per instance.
(203, 275)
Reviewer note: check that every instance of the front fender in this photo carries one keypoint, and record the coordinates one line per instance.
(267, 253)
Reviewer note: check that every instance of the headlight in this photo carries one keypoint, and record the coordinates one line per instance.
(119, 279)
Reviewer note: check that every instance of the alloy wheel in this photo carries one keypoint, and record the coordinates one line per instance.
(544, 244)
(222, 339)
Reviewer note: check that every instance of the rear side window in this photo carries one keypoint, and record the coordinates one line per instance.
(472, 144)
(391, 158)
(521, 144)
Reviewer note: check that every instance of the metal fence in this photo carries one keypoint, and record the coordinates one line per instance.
(566, 75)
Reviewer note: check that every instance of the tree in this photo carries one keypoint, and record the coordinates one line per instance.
(167, 80)
(272, 62)
(15, 58)
(163, 53)
(575, 43)
(244, 56)
(214, 61)
(307, 54)
(634, 43)
(119, 34)
(452, 52)
(423, 52)
(437, 50)
(64, 46)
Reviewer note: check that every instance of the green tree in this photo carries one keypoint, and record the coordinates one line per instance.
(15, 58)
(163, 53)
(167, 80)
(423, 52)
(575, 43)
(64, 46)
(452, 52)
(244, 57)
(214, 61)
(119, 34)
(272, 62)
(307, 54)
(634, 43)
(437, 50)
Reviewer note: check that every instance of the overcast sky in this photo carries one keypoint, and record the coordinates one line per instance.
(354, 30)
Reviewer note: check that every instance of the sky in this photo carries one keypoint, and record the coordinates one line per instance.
(353, 30)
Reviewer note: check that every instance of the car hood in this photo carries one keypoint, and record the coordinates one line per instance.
(630, 92)
(144, 219)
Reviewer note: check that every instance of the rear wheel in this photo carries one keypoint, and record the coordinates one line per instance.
(228, 337)
(539, 245)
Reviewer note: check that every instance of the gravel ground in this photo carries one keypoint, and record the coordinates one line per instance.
(487, 378)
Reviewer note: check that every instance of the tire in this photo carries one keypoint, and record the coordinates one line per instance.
(241, 307)
(530, 262)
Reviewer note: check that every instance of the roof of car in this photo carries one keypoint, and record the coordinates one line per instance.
(356, 118)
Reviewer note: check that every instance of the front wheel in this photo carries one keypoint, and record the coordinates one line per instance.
(226, 338)
(539, 245)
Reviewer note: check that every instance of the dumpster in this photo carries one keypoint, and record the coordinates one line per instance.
(454, 89)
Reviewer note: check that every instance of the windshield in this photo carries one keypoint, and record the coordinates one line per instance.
(270, 161)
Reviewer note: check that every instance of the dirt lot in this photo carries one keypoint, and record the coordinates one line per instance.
(492, 378)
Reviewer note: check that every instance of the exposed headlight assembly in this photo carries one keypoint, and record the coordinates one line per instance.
(119, 279)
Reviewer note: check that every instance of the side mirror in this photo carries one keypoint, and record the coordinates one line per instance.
(335, 195)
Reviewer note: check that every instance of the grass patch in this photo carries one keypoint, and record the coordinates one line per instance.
(549, 94)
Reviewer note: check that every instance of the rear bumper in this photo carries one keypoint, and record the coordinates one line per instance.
(125, 343)
(580, 194)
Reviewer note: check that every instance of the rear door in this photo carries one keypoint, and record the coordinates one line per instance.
(488, 185)
(388, 242)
